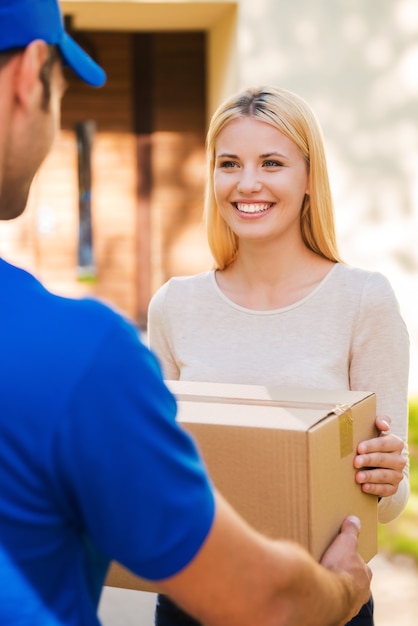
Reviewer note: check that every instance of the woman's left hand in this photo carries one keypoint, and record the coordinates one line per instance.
(380, 462)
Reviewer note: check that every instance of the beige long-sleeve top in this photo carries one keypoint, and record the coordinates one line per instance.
(346, 334)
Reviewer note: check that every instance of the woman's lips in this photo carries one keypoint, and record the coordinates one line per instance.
(252, 207)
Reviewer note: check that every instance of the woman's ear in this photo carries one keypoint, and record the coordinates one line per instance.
(28, 87)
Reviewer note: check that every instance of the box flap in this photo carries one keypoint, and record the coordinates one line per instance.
(277, 407)
(238, 414)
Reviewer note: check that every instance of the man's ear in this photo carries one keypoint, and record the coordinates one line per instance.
(28, 86)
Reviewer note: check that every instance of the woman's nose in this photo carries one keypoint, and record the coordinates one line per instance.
(248, 182)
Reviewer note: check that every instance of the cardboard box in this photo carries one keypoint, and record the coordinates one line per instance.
(283, 458)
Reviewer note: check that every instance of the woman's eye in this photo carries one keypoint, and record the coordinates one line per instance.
(271, 163)
(227, 164)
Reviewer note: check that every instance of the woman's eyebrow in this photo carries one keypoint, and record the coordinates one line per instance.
(225, 154)
(270, 154)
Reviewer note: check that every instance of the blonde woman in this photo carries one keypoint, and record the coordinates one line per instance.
(280, 307)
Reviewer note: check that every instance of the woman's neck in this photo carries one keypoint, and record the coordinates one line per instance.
(264, 280)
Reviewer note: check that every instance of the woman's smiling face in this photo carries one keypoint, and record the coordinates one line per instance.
(260, 180)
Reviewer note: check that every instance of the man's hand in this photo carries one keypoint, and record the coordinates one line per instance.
(241, 578)
(342, 557)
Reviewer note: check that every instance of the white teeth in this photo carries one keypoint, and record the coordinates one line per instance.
(252, 208)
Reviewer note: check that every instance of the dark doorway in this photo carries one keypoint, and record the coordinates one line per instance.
(150, 131)
(169, 120)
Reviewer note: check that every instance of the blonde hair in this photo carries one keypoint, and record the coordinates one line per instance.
(292, 116)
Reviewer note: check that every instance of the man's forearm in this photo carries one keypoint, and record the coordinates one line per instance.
(314, 595)
(241, 578)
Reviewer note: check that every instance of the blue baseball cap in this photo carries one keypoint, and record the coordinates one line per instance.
(23, 21)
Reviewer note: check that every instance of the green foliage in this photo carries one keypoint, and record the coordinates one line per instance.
(401, 535)
(87, 278)
(413, 443)
(413, 421)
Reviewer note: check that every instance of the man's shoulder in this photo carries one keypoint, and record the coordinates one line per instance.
(37, 318)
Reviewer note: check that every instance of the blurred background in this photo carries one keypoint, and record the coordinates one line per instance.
(117, 206)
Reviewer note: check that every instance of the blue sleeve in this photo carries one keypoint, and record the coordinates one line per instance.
(132, 474)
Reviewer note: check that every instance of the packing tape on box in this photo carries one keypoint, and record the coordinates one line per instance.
(345, 421)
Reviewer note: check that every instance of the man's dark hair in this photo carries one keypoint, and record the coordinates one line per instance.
(45, 74)
(7, 55)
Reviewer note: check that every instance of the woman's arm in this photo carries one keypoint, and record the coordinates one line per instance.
(158, 334)
(380, 363)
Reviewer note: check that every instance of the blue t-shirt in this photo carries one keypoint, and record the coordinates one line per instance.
(93, 466)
